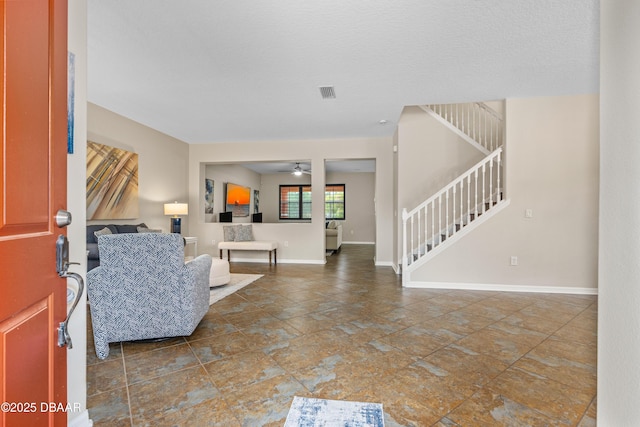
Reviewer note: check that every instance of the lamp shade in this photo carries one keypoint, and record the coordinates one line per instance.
(176, 209)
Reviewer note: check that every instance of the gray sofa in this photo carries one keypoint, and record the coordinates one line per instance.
(93, 259)
(143, 289)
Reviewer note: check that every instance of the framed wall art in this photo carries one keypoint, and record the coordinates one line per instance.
(112, 183)
(256, 201)
(208, 196)
(237, 199)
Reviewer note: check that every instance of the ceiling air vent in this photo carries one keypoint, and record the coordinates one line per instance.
(327, 92)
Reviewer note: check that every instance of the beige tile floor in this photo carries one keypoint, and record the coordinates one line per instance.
(348, 330)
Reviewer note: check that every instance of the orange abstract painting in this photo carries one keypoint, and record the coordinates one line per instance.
(238, 199)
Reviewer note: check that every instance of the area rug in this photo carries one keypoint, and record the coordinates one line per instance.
(311, 412)
(238, 281)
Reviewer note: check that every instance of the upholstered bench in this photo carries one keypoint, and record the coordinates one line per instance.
(253, 245)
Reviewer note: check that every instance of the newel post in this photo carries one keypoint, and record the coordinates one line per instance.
(405, 216)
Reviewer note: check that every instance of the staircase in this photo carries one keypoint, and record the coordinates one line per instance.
(467, 201)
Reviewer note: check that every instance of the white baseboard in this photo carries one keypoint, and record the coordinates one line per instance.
(280, 260)
(358, 243)
(396, 268)
(384, 264)
(81, 420)
(503, 287)
(302, 261)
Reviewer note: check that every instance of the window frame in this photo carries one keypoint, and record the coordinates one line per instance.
(301, 203)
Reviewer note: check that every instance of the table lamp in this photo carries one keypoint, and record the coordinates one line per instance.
(176, 209)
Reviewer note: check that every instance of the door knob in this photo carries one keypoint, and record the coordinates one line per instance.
(63, 218)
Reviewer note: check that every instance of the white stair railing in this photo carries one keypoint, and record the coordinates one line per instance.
(474, 121)
(447, 212)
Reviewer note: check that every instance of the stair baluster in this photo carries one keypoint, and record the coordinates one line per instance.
(498, 160)
(418, 231)
(491, 184)
(440, 217)
(433, 224)
(468, 199)
(475, 205)
(484, 182)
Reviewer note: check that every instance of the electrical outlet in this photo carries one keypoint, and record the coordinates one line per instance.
(213, 242)
(528, 213)
(286, 243)
(514, 260)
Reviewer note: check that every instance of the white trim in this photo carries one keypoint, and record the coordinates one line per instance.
(396, 268)
(81, 420)
(302, 261)
(384, 264)
(503, 287)
(358, 243)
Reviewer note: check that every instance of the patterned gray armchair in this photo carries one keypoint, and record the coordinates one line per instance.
(143, 289)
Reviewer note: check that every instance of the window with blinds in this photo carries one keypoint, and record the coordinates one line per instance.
(295, 202)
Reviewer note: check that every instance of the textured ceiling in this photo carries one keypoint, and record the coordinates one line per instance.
(214, 71)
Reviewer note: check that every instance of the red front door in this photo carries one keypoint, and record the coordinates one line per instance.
(32, 189)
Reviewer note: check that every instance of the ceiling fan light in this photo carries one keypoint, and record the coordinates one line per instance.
(297, 172)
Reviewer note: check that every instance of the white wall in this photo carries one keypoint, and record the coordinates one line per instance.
(162, 164)
(619, 265)
(76, 174)
(298, 235)
(552, 168)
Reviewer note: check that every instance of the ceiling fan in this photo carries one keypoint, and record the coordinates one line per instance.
(297, 170)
